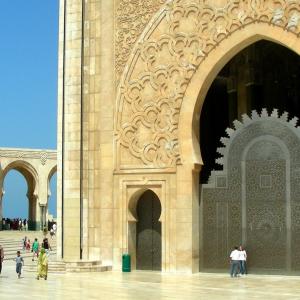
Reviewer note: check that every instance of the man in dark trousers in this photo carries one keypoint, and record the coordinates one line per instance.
(1, 257)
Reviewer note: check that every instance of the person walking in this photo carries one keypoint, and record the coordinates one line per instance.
(19, 263)
(42, 265)
(54, 227)
(24, 242)
(28, 246)
(35, 249)
(51, 233)
(243, 258)
(25, 224)
(46, 246)
(1, 257)
(234, 261)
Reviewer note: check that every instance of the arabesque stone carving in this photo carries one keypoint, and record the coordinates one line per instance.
(164, 60)
(132, 18)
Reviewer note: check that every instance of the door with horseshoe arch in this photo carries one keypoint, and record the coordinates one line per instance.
(148, 240)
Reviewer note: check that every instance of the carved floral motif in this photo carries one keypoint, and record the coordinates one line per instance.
(132, 18)
(164, 60)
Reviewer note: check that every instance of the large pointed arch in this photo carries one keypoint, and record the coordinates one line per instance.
(203, 77)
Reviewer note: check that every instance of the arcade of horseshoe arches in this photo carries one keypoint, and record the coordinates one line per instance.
(37, 166)
(147, 89)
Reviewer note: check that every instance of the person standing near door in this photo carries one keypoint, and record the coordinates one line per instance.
(234, 261)
(1, 257)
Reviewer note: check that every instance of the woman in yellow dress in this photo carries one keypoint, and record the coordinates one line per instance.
(42, 265)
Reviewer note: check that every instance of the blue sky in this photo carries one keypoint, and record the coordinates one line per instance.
(28, 87)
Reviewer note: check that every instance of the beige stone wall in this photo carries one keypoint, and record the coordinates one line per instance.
(132, 94)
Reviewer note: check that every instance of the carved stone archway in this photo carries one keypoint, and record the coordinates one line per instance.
(162, 90)
(172, 49)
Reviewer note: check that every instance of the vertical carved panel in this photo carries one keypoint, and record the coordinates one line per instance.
(266, 215)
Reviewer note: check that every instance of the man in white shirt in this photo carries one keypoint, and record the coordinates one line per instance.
(54, 227)
(235, 261)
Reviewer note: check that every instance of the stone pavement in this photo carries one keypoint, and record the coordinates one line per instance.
(145, 285)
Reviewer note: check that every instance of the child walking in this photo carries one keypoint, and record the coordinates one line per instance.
(19, 262)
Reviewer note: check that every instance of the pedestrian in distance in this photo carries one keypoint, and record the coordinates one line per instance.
(42, 265)
(1, 257)
(24, 242)
(35, 249)
(243, 258)
(46, 246)
(51, 233)
(28, 245)
(19, 263)
(234, 261)
(54, 227)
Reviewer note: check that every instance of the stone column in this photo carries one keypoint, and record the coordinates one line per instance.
(70, 129)
(43, 214)
(187, 219)
(34, 222)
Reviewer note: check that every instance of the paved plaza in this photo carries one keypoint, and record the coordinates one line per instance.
(145, 285)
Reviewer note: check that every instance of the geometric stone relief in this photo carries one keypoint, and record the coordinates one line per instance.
(221, 181)
(259, 158)
(265, 181)
(164, 59)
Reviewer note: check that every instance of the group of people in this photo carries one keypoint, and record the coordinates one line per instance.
(238, 258)
(39, 251)
(14, 224)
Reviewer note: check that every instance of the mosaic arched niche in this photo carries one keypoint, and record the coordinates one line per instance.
(256, 193)
(172, 49)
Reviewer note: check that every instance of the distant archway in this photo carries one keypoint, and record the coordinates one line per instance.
(37, 167)
(31, 178)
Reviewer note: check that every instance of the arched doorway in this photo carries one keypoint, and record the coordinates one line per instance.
(148, 232)
(256, 209)
(15, 204)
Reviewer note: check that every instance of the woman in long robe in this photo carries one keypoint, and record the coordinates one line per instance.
(42, 265)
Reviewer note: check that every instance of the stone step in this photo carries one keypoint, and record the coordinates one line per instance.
(53, 267)
(9, 251)
(87, 266)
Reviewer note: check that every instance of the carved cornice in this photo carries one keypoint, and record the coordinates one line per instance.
(162, 63)
(23, 154)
